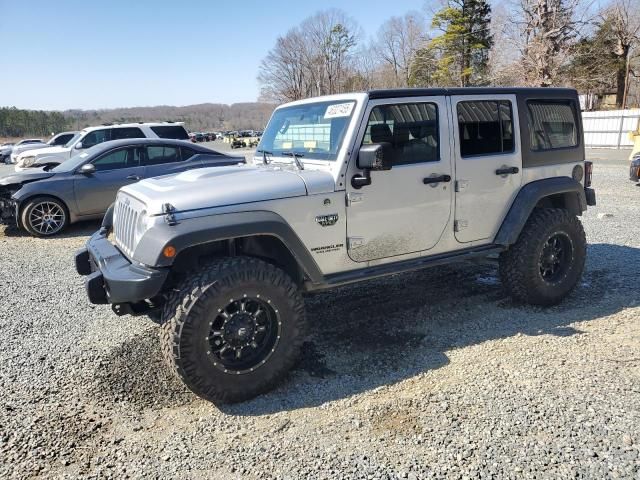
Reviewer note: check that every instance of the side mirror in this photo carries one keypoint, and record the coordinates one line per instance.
(375, 157)
(78, 146)
(87, 169)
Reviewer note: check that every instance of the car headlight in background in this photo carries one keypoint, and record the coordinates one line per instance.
(27, 161)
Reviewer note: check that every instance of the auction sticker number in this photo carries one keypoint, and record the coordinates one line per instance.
(339, 110)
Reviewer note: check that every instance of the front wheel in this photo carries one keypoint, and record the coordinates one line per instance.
(547, 261)
(233, 329)
(44, 216)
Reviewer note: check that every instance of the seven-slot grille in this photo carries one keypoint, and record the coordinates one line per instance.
(125, 218)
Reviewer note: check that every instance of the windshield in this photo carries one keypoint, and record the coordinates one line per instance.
(70, 143)
(77, 160)
(312, 130)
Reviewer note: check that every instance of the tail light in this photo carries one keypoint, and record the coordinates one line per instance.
(588, 170)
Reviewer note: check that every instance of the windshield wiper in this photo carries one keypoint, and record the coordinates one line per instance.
(296, 158)
(264, 156)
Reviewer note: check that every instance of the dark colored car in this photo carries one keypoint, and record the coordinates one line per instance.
(45, 201)
(634, 170)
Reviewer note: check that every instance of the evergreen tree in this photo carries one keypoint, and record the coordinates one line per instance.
(594, 63)
(464, 44)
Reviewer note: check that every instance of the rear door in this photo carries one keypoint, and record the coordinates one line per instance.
(114, 169)
(165, 159)
(487, 162)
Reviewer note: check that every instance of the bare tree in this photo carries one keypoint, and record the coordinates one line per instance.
(399, 39)
(282, 72)
(623, 17)
(546, 31)
(313, 59)
(504, 66)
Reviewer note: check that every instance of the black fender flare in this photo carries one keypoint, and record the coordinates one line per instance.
(202, 230)
(529, 196)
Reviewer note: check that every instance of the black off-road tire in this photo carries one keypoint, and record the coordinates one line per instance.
(26, 217)
(190, 309)
(520, 266)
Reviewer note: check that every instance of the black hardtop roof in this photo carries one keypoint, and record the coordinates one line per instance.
(429, 92)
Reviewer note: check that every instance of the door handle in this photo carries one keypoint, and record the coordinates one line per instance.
(507, 171)
(441, 178)
(134, 177)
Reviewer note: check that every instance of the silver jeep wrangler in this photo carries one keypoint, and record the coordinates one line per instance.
(344, 188)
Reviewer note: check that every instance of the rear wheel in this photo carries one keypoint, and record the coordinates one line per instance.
(233, 329)
(547, 261)
(44, 216)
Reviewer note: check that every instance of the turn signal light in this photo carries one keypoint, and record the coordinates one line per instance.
(169, 251)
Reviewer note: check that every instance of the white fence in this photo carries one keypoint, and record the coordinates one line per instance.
(610, 128)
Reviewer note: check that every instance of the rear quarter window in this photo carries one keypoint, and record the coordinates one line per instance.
(552, 124)
(176, 132)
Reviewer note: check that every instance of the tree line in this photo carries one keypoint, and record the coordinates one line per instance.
(463, 43)
(16, 122)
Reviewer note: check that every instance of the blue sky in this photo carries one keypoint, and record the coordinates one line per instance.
(60, 54)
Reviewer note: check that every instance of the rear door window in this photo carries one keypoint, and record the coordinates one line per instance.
(485, 127)
(552, 125)
(95, 137)
(176, 132)
(157, 155)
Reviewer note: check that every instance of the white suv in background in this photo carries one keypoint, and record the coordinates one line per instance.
(91, 136)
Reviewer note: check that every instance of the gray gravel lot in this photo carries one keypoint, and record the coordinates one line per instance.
(435, 374)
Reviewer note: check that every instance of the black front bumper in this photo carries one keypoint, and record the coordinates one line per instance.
(111, 277)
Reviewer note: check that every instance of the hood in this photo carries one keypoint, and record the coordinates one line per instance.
(26, 177)
(29, 146)
(223, 186)
(54, 151)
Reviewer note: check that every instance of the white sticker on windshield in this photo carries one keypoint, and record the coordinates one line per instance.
(339, 110)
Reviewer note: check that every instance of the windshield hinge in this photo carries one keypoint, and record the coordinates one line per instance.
(169, 215)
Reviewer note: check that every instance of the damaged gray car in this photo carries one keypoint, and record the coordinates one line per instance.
(45, 201)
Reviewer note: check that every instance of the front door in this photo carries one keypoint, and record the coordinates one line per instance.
(488, 163)
(115, 169)
(405, 209)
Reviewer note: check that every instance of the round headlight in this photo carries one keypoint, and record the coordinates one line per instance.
(141, 225)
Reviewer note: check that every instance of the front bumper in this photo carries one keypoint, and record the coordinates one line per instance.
(111, 278)
(8, 212)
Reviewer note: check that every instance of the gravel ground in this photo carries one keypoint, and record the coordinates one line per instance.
(435, 374)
